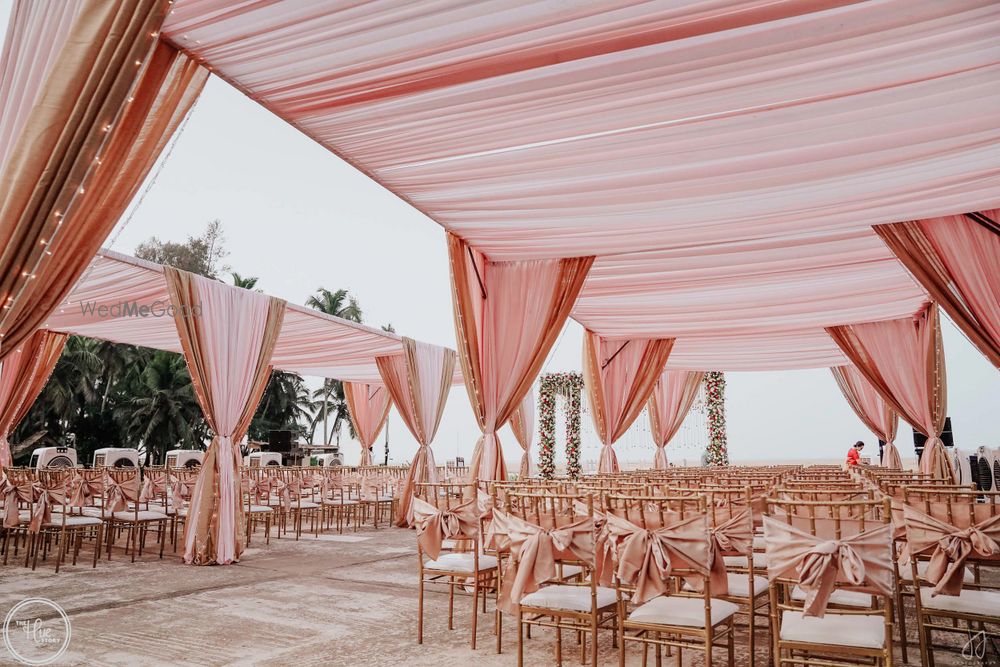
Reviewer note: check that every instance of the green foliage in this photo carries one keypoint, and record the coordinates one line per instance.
(199, 254)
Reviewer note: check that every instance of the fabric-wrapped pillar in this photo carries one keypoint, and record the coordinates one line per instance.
(871, 409)
(508, 316)
(620, 374)
(89, 123)
(228, 336)
(903, 360)
(368, 406)
(522, 423)
(23, 373)
(669, 404)
(956, 258)
(418, 382)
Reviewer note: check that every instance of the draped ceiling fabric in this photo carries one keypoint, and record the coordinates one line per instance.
(619, 375)
(537, 130)
(368, 406)
(871, 409)
(508, 316)
(228, 336)
(671, 400)
(92, 97)
(23, 374)
(903, 360)
(418, 382)
(522, 423)
(956, 258)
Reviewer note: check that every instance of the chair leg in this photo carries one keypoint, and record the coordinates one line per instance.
(420, 611)
(520, 638)
(475, 608)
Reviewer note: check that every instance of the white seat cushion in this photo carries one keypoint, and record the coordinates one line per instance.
(305, 505)
(461, 562)
(686, 612)
(74, 522)
(569, 598)
(759, 542)
(759, 560)
(338, 501)
(260, 509)
(846, 598)
(834, 629)
(739, 585)
(144, 515)
(905, 572)
(983, 603)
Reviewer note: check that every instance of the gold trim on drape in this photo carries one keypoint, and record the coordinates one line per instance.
(99, 125)
(910, 243)
(203, 517)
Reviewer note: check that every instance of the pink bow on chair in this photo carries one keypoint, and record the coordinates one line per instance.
(734, 536)
(435, 525)
(12, 494)
(644, 558)
(537, 549)
(44, 497)
(862, 562)
(951, 547)
(119, 494)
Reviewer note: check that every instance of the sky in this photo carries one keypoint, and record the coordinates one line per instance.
(298, 218)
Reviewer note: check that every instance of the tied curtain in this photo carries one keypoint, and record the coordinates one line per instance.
(871, 409)
(669, 404)
(368, 406)
(228, 336)
(620, 374)
(82, 126)
(903, 359)
(507, 318)
(418, 382)
(23, 373)
(956, 258)
(522, 423)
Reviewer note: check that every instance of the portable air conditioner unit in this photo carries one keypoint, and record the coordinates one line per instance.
(263, 459)
(184, 458)
(987, 471)
(961, 463)
(329, 460)
(116, 457)
(53, 457)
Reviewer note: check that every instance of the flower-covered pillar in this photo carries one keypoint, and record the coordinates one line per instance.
(715, 403)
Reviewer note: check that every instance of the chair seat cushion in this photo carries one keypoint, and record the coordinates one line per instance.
(569, 598)
(759, 542)
(338, 501)
(461, 562)
(905, 572)
(260, 509)
(859, 631)
(739, 585)
(759, 560)
(982, 603)
(685, 612)
(74, 521)
(143, 515)
(846, 598)
(305, 505)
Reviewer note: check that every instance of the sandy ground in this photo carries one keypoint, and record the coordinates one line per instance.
(349, 600)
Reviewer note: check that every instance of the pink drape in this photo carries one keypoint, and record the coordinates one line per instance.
(418, 382)
(871, 409)
(669, 404)
(903, 360)
(619, 375)
(23, 374)
(956, 258)
(368, 406)
(227, 336)
(522, 423)
(507, 318)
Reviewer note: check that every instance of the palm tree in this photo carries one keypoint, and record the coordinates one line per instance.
(246, 282)
(341, 304)
(163, 414)
(284, 406)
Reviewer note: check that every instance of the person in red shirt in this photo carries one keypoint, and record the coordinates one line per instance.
(854, 453)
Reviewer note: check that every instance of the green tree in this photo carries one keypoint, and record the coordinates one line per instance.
(246, 282)
(285, 406)
(203, 254)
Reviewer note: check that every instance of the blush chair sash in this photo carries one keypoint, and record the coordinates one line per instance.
(949, 546)
(434, 525)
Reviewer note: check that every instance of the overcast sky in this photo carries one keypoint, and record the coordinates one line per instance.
(299, 218)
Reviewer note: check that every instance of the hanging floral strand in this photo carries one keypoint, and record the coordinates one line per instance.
(715, 402)
(552, 385)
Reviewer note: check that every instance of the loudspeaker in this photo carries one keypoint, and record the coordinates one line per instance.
(919, 439)
(279, 441)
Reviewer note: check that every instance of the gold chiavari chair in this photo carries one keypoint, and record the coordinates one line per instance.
(256, 510)
(122, 511)
(450, 512)
(662, 548)
(826, 549)
(58, 523)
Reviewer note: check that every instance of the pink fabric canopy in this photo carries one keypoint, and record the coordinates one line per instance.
(310, 343)
(368, 406)
(669, 404)
(522, 423)
(871, 409)
(23, 374)
(724, 164)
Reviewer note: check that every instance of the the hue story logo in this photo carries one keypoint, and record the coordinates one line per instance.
(36, 631)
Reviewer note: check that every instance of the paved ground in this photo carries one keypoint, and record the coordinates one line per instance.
(347, 600)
